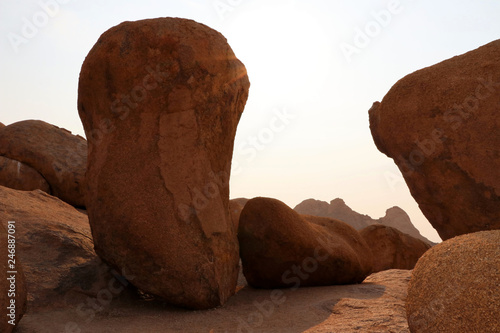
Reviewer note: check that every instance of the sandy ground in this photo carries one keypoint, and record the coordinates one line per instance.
(376, 305)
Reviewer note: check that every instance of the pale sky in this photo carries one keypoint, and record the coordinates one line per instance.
(315, 69)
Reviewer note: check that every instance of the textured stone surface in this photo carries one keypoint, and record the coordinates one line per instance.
(54, 244)
(54, 152)
(12, 286)
(440, 125)
(337, 209)
(376, 305)
(391, 248)
(160, 101)
(19, 176)
(455, 286)
(280, 248)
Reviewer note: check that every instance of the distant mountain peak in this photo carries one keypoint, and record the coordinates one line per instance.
(394, 217)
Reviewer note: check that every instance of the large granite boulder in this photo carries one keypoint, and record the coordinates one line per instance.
(12, 282)
(54, 244)
(19, 176)
(59, 156)
(440, 125)
(392, 249)
(455, 286)
(281, 248)
(160, 100)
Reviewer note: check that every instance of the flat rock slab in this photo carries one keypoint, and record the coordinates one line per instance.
(376, 305)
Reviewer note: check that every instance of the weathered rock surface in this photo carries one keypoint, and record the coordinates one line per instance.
(12, 285)
(54, 244)
(391, 248)
(54, 152)
(455, 286)
(280, 248)
(19, 176)
(337, 209)
(440, 125)
(2, 125)
(376, 305)
(160, 101)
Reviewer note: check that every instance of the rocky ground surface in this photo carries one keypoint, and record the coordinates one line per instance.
(376, 305)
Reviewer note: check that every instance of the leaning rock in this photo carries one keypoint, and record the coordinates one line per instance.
(160, 101)
(392, 249)
(54, 244)
(280, 248)
(440, 125)
(54, 152)
(19, 176)
(12, 285)
(455, 286)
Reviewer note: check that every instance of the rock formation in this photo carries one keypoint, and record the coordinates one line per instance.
(19, 176)
(12, 285)
(160, 101)
(440, 126)
(54, 244)
(55, 153)
(391, 248)
(337, 209)
(397, 218)
(455, 286)
(280, 248)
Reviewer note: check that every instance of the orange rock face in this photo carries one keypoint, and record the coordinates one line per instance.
(441, 126)
(55, 153)
(19, 176)
(160, 101)
(280, 248)
(455, 286)
(392, 249)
